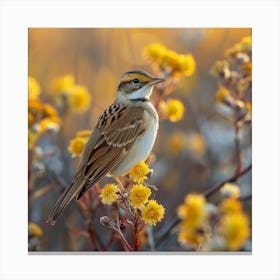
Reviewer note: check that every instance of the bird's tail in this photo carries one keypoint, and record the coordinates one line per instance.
(65, 199)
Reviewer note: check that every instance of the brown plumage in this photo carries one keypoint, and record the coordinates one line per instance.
(123, 136)
(106, 147)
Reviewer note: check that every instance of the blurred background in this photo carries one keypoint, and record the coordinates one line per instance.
(191, 155)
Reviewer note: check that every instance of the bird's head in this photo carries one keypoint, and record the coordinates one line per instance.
(136, 85)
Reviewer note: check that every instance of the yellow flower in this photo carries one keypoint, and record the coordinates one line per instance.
(248, 106)
(61, 84)
(35, 107)
(246, 43)
(247, 68)
(230, 205)
(49, 123)
(76, 146)
(34, 89)
(173, 109)
(221, 68)
(139, 172)
(42, 117)
(139, 195)
(194, 236)
(171, 59)
(84, 133)
(153, 213)
(193, 211)
(31, 119)
(78, 99)
(230, 190)
(234, 229)
(34, 229)
(176, 143)
(50, 110)
(222, 95)
(109, 194)
(166, 58)
(155, 52)
(196, 144)
(186, 64)
(32, 138)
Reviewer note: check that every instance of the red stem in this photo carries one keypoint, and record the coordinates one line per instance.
(136, 242)
(91, 235)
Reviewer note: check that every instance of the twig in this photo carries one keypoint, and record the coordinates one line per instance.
(91, 235)
(136, 242)
(212, 190)
(123, 239)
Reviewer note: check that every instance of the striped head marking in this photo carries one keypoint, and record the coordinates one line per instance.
(137, 84)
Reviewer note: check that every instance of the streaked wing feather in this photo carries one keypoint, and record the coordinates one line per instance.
(115, 132)
(113, 144)
(99, 172)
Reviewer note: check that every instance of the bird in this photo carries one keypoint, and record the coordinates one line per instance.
(123, 136)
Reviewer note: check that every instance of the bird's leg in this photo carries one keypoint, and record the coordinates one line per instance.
(118, 181)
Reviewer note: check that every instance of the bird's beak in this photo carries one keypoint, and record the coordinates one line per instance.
(156, 81)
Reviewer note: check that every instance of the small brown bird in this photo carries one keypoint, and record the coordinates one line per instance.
(123, 136)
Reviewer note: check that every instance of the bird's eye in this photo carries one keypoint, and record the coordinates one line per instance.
(136, 81)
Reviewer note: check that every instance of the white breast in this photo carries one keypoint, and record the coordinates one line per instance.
(140, 150)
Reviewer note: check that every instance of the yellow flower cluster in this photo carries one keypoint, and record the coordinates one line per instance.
(230, 205)
(233, 226)
(34, 230)
(77, 144)
(193, 226)
(109, 194)
(178, 64)
(41, 118)
(151, 211)
(230, 190)
(245, 45)
(235, 74)
(77, 97)
(62, 84)
(196, 144)
(193, 211)
(139, 172)
(34, 88)
(173, 109)
(222, 95)
(176, 143)
(221, 68)
(192, 142)
(139, 195)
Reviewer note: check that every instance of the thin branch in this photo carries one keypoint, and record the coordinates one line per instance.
(91, 235)
(212, 190)
(123, 239)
